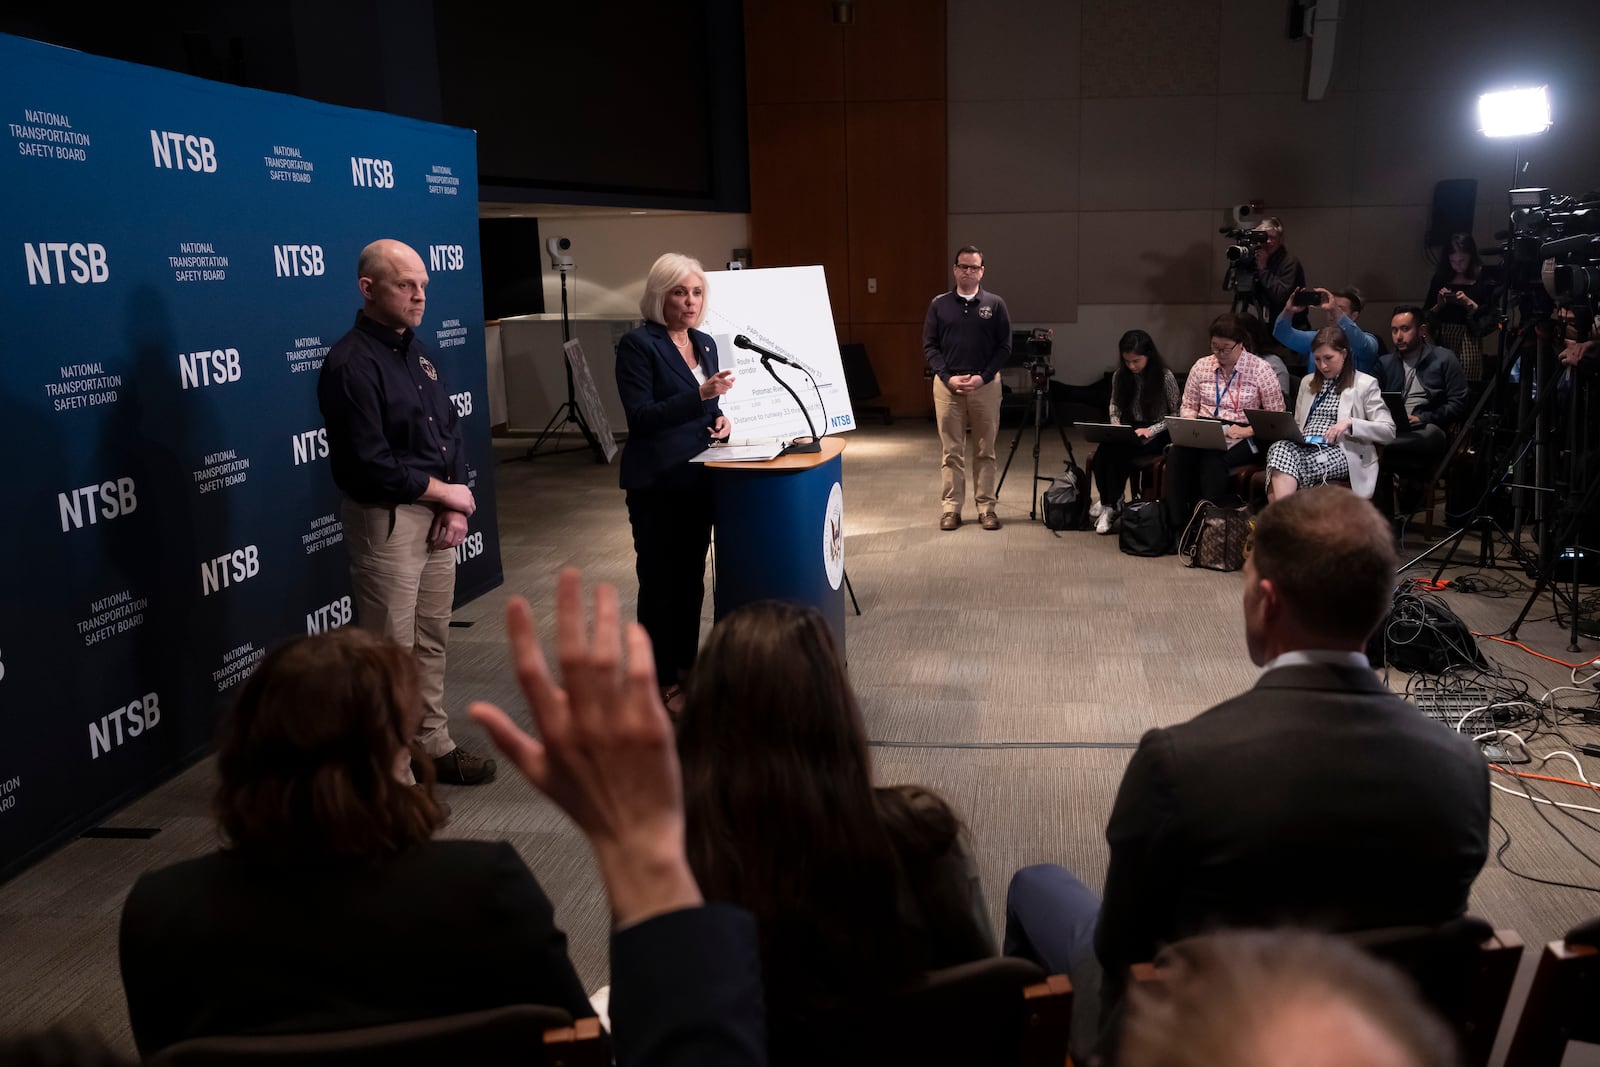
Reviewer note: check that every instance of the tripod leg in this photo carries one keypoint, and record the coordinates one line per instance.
(1016, 440)
(852, 591)
(1038, 419)
(557, 421)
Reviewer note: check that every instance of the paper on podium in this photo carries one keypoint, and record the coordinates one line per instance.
(741, 452)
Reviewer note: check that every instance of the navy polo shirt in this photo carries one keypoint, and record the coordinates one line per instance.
(391, 425)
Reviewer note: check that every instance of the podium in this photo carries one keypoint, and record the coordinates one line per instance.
(780, 533)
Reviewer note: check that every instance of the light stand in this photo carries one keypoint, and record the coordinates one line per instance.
(568, 411)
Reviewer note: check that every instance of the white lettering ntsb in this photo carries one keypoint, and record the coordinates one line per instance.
(47, 263)
(183, 151)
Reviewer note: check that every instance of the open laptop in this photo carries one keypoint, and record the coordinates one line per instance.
(1396, 403)
(1273, 425)
(1198, 433)
(1103, 432)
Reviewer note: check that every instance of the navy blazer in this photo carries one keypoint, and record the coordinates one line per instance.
(668, 423)
(1358, 813)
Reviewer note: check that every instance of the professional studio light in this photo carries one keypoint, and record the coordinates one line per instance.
(1514, 112)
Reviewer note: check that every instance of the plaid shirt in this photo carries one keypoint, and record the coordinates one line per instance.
(1213, 393)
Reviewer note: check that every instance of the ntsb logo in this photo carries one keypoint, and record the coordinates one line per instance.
(299, 261)
(79, 506)
(216, 367)
(183, 151)
(471, 547)
(371, 173)
(310, 445)
(330, 616)
(88, 263)
(230, 568)
(141, 714)
(463, 403)
(446, 257)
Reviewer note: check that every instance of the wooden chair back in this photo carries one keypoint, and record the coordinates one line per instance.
(1563, 1005)
(526, 1035)
(996, 1012)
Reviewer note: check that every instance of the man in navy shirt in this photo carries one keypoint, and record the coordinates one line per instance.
(966, 338)
(394, 443)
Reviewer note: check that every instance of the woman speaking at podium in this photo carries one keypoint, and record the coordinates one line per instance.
(669, 383)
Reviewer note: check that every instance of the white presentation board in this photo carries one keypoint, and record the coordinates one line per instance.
(786, 310)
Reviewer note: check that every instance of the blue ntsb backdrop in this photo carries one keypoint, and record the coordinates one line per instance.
(178, 256)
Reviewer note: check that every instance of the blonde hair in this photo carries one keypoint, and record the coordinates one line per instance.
(669, 269)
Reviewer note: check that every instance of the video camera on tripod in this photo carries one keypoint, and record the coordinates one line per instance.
(1554, 244)
(1035, 352)
(1240, 277)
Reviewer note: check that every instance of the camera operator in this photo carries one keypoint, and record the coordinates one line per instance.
(1435, 393)
(1343, 309)
(1278, 274)
(1579, 354)
(966, 338)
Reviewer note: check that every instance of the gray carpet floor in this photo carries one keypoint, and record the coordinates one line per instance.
(1011, 671)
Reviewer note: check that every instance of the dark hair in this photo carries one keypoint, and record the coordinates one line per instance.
(1352, 294)
(1232, 327)
(306, 758)
(1334, 338)
(1416, 313)
(969, 250)
(1151, 383)
(1461, 242)
(1330, 554)
(1219, 996)
(779, 805)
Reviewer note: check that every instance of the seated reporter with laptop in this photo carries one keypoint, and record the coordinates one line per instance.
(1143, 394)
(1222, 386)
(1339, 419)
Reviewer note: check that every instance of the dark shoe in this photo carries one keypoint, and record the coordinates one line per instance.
(950, 520)
(989, 520)
(460, 767)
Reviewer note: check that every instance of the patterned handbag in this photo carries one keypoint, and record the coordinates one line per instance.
(1217, 538)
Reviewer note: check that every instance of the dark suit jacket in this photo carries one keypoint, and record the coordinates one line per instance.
(223, 946)
(686, 990)
(1442, 379)
(1317, 797)
(668, 423)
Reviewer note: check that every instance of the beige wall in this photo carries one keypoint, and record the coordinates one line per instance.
(612, 255)
(1094, 145)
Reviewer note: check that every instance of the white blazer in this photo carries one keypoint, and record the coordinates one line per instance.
(1370, 425)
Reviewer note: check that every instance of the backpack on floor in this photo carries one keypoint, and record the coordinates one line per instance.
(1066, 502)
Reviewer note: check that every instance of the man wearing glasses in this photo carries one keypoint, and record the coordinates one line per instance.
(1223, 386)
(966, 338)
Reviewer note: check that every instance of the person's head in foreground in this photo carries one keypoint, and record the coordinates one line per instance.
(1279, 998)
(310, 758)
(778, 793)
(1320, 575)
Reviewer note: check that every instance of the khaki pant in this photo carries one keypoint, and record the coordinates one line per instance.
(956, 414)
(404, 592)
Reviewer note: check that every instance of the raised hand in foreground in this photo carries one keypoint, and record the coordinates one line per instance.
(606, 753)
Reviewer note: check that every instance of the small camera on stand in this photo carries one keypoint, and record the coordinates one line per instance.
(1036, 357)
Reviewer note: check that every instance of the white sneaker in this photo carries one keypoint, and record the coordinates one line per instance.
(1095, 509)
(1103, 523)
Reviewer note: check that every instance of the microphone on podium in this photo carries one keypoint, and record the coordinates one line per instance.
(798, 446)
